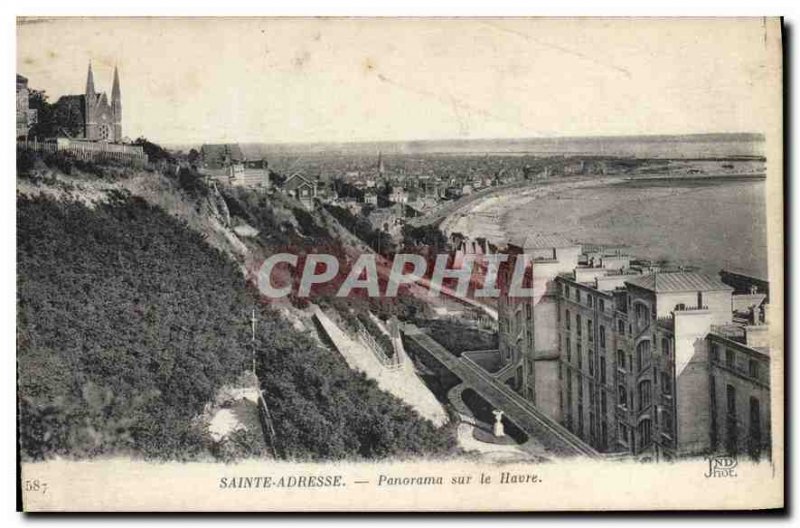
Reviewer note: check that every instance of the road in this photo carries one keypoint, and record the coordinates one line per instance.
(552, 435)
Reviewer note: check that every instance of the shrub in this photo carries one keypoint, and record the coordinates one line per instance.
(128, 324)
(126, 299)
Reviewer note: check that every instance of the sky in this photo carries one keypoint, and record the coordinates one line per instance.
(333, 80)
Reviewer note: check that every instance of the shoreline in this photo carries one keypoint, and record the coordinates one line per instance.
(486, 218)
(509, 215)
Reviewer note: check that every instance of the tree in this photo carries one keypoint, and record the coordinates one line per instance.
(193, 157)
(153, 151)
(44, 126)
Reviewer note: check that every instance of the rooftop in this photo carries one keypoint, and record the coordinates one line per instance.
(541, 241)
(682, 281)
(296, 180)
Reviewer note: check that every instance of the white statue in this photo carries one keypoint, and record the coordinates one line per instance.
(499, 431)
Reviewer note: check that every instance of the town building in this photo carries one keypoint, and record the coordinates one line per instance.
(647, 363)
(235, 165)
(371, 197)
(398, 195)
(26, 116)
(301, 188)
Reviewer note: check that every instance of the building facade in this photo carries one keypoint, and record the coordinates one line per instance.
(635, 360)
(233, 164)
(26, 116)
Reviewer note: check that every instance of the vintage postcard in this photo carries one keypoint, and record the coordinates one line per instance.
(409, 264)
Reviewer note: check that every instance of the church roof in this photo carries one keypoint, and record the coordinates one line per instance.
(680, 281)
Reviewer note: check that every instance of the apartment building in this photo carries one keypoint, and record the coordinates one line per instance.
(636, 360)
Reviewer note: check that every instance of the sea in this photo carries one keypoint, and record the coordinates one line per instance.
(711, 224)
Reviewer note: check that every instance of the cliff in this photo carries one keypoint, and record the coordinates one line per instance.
(134, 311)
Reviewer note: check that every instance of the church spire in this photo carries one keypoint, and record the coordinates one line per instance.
(90, 81)
(115, 95)
(116, 107)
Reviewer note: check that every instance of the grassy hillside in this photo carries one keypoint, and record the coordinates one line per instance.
(129, 322)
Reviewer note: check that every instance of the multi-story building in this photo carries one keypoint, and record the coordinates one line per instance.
(738, 363)
(657, 364)
(528, 322)
(26, 116)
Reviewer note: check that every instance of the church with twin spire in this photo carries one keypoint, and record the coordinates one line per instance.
(91, 115)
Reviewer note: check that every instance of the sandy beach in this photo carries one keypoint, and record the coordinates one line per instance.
(487, 218)
(710, 223)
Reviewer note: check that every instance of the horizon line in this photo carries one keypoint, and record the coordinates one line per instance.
(753, 136)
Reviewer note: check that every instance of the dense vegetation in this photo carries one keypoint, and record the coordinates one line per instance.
(377, 239)
(323, 410)
(128, 324)
(458, 338)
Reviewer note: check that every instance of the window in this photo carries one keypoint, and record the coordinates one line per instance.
(621, 327)
(755, 427)
(580, 419)
(569, 349)
(603, 402)
(580, 357)
(666, 422)
(590, 329)
(731, 429)
(753, 368)
(566, 319)
(665, 346)
(642, 355)
(621, 359)
(645, 395)
(577, 295)
(641, 315)
(590, 301)
(645, 431)
(666, 383)
(602, 337)
(623, 434)
(604, 434)
(591, 362)
(622, 396)
(730, 395)
(715, 352)
(601, 304)
(602, 369)
(569, 390)
(730, 358)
